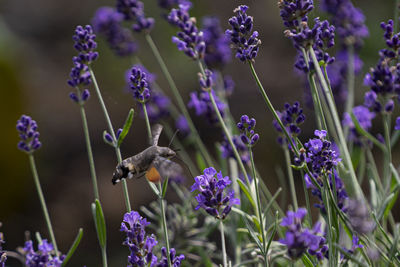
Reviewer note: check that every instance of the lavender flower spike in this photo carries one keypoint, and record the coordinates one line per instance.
(190, 39)
(242, 38)
(246, 127)
(212, 196)
(133, 10)
(44, 256)
(27, 129)
(138, 84)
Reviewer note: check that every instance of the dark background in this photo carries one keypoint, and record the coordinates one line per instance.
(35, 60)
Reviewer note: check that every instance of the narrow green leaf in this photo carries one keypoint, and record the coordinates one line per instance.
(154, 188)
(272, 200)
(385, 205)
(246, 191)
(100, 224)
(253, 235)
(164, 187)
(200, 161)
(272, 234)
(306, 260)
(127, 126)
(73, 247)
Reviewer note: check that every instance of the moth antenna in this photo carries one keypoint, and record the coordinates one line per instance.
(184, 163)
(172, 139)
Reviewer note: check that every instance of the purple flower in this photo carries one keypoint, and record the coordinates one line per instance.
(292, 117)
(206, 80)
(85, 44)
(202, 104)
(138, 84)
(397, 126)
(190, 39)
(27, 130)
(133, 10)
(175, 260)
(348, 20)
(182, 124)
(139, 243)
(3, 255)
(298, 239)
(294, 12)
(359, 216)
(241, 147)
(243, 39)
(218, 51)
(212, 196)
(364, 117)
(44, 256)
(246, 127)
(108, 22)
(157, 106)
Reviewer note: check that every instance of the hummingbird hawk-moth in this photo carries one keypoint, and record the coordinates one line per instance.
(153, 162)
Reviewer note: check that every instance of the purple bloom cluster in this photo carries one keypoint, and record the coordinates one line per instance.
(212, 196)
(355, 244)
(133, 10)
(27, 130)
(175, 260)
(299, 239)
(139, 85)
(157, 106)
(108, 22)
(397, 125)
(190, 39)
(243, 39)
(359, 216)
(139, 243)
(44, 256)
(341, 194)
(348, 20)
(218, 51)
(202, 104)
(292, 117)
(364, 117)
(206, 81)
(246, 127)
(80, 75)
(294, 12)
(241, 147)
(182, 124)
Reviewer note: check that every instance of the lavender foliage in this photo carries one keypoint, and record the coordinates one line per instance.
(243, 39)
(214, 196)
(44, 256)
(190, 39)
(27, 130)
(108, 22)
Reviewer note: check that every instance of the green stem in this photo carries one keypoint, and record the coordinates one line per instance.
(224, 257)
(104, 257)
(346, 155)
(148, 127)
(307, 197)
(89, 151)
(42, 201)
(164, 223)
(181, 104)
(111, 130)
(350, 84)
(388, 153)
(291, 179)
(260, 214)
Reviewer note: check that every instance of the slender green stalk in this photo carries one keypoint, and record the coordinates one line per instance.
(346, 155)
(89, 151)
(164, 223)
(181, 104)
(104, 257)
(111, 130)
(387, 175)
(224, 257)
(291, 178)
(350, 85)
(43, 202)
(260, 213)
(148, 127)
(307, 197)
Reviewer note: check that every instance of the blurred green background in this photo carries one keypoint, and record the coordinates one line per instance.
(35, 60)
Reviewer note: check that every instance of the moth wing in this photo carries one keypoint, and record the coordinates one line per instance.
(155, 133)
(162, 168)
